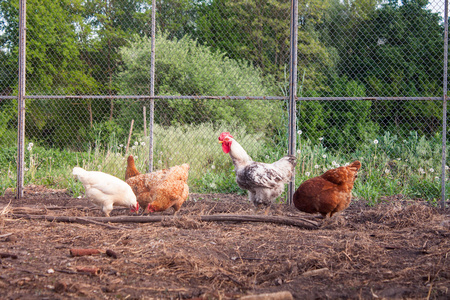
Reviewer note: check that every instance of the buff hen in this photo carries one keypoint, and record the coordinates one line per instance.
(106, 190)
(131, 170)
(160, 190)
(329, 193)
(265, 182)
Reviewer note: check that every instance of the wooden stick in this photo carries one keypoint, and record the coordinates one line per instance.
(298, 222)
(129, 137)
(6, 255)
(89, 270)
(283, 295)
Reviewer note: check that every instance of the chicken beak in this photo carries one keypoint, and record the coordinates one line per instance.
(220, 142)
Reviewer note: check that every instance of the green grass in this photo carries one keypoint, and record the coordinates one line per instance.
(390, 165)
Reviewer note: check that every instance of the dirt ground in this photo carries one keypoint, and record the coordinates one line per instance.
(399, 249)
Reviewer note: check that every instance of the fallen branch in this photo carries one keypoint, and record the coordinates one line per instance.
(298, 222)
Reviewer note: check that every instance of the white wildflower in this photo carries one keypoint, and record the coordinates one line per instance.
(299, 151)
(431, 170)
(159, 162)
(213, 185)
(170, 158)
(26, 169)
(437, 178)
(387, 171)
(307, 173)
(136, 143)
(421, 171)
(321, 138)
(334, 163)
(299, 132)
(133, 147)
(337, 165)
(142, 143)
(316, 166)
(446, 167)
(213, 167)
(324, 156)
(267, 156)
(375, 142)
(399, 159)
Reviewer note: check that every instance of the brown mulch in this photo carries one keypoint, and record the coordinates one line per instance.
(399, 249)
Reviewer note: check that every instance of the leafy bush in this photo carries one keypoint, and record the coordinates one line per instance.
(184, 67)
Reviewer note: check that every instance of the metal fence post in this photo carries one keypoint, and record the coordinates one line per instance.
(444, 104)
(152, 89)
(21, 99)
(293, 91)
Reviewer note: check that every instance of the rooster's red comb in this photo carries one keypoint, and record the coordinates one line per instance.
(223, 135)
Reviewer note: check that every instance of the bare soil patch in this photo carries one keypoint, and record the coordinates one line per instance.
(399, 249)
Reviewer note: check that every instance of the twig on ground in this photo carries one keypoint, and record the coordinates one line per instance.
(83, 252)
(6, 255)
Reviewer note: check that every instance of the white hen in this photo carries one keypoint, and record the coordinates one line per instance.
(106, 190)
(265, 182)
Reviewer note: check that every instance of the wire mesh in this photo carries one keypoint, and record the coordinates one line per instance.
(367, 71)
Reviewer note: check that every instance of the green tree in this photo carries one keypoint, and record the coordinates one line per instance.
(258, 31)
(393, 50)
(175, 17)
(53, 59)
(54, 65)
(398, 52)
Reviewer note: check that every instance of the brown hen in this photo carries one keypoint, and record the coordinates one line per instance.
(131, 170)
(329, 193)
(160, 190)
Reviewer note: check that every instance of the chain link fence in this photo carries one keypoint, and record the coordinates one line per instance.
(370, 87)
